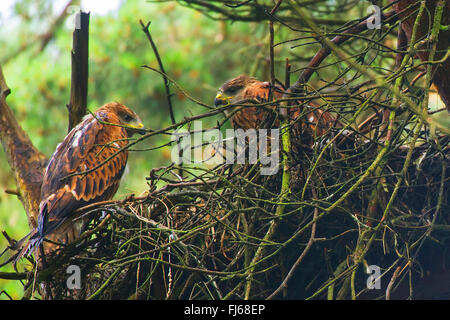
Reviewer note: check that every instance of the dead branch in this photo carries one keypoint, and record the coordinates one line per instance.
(80, 71)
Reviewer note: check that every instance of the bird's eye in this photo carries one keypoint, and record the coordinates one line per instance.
(232, 90)
(127, 118)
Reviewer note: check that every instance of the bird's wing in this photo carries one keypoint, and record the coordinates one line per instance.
(72, 180)
(253, 117)
(319, 121)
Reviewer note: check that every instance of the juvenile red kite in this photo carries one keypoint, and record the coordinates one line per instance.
(245, 89)
(85, 168)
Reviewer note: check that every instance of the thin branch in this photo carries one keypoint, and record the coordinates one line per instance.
(145, 29)
(325, 51)
(302, 255)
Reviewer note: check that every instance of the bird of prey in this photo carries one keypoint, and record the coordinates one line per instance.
(85, 168)
(307, 120)
(248, 90)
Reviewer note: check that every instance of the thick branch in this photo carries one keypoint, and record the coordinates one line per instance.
(46, 37)
(43, 38)
(252, 11)
(26, 162)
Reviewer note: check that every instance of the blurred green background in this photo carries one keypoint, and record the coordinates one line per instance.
(198, 52)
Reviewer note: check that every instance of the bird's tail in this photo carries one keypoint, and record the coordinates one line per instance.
(34, 241)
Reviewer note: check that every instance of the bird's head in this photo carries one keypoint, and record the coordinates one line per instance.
(233, 90)
(119, 114)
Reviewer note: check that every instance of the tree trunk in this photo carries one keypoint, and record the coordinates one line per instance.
(26, 162)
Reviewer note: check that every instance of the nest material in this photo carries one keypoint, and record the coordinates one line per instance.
(216, 235)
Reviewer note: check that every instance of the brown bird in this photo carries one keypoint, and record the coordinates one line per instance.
(85, 168)
(245, 89)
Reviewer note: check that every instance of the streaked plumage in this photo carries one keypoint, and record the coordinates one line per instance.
(72, 179)
(245, 89)
(306, 125)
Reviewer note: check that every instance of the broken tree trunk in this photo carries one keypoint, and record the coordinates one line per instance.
(80, 70)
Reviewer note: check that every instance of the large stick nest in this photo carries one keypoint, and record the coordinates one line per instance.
(198, 238)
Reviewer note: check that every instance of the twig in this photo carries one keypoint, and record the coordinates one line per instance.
(286, 146)
(271, 45)
(326, 50)
(145, 29)
(392, 281)
(302, 255)
(13, 275)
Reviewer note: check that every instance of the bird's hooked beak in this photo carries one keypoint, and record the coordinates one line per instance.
(221, 99)
(141, 129)
(138, 127)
